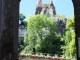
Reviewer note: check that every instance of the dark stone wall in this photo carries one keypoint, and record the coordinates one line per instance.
(38, 10)
(76, 4)
(9, 30)
(0, 13)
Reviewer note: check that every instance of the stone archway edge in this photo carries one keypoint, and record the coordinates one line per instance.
(9, 26)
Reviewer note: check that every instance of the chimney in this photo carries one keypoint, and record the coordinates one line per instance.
(39, 2)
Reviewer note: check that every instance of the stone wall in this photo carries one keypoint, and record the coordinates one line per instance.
(44, 8)
(33, 58)
(9, 29)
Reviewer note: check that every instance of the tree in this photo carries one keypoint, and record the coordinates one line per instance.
(21, 44)
(21, 16)
(25, 23)
(41, 35)
(69, 49)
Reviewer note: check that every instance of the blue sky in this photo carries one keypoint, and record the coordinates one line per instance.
(63, 7)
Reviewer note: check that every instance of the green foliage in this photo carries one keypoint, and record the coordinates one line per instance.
(21, 40)
(70, 23)
(21, 44)
(51, 44)
(69, 48)
(42, 36)
(25, 23)
(25, 38)
(21, 16)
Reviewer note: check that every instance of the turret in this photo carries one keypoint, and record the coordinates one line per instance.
(53, 8)
(51, 4)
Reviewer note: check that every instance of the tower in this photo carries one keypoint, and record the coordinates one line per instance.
(38, 7)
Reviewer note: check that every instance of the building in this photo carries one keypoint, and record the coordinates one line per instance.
(45, 9)
(22, 30)
(50, 11)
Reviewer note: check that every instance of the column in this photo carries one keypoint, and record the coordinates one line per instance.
(9, 29)
(76, 4)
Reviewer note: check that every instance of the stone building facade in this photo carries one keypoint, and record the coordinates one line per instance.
(50, 11)
(46, 8)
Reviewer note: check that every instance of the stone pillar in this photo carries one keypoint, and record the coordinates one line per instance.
(9, 29)
(76, 4)
(0, 13)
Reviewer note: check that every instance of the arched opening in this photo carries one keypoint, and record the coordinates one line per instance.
(9, 26)
(39, 10)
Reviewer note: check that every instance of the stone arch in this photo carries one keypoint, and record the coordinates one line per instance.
(76, 4)
(13, 16)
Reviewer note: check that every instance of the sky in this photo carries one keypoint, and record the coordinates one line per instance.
(63, 7)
